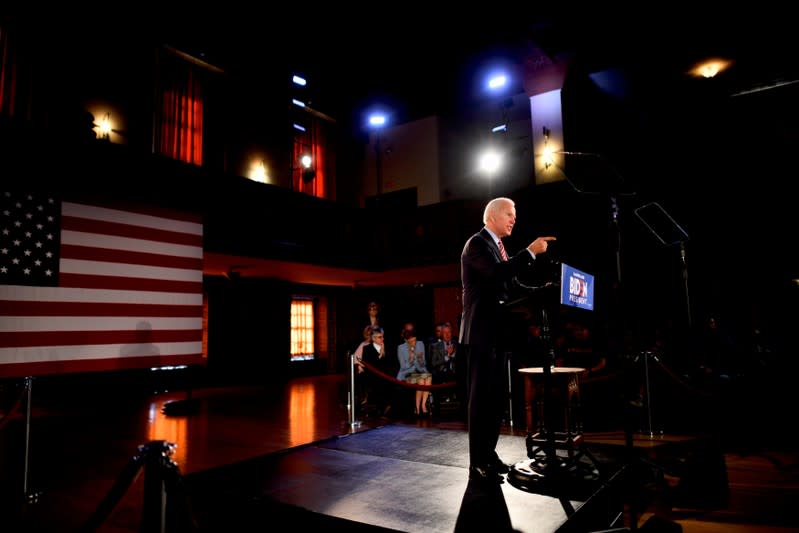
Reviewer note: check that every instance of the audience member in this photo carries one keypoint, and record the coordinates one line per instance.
(411, 356)
(578, 350)
(377, 388)
(436, 336)
(408, 326)
(442, 356)
(359, 368)
(717, 355)
(373, 308)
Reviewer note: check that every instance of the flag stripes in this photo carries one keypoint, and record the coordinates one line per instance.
(129, 291)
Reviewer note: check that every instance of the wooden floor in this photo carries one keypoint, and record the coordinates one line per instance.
(79, 443)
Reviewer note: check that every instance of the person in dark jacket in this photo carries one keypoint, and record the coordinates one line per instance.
(490, 280)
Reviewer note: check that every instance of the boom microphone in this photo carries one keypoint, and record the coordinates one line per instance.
(592, 154)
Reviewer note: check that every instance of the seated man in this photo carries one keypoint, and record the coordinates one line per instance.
(443, 361)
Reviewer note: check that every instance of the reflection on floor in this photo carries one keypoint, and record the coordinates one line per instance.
(235, 443)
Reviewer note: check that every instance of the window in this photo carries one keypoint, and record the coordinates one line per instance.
(312, 142)
(302, 329)
(182, 88)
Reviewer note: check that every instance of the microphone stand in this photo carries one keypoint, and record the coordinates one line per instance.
(685, 284)
(566, 478)
(552, 465)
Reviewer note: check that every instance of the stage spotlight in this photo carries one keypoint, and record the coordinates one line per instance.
(497, 81)
(378, 121)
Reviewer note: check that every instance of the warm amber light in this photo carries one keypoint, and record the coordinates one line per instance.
(548, 156)
(302, 329)
(171, 429)
(105, 126)
(710, 68)
(258, 172)
(302, 407)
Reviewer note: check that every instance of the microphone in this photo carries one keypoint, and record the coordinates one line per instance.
(592, 154)
(536, 288)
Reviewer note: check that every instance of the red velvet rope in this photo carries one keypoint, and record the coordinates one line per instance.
(595, 378)
(679, 380)
(378, 372)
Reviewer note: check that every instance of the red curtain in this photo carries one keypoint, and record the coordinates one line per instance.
(178, 127)
(8, 74)
(311, 142)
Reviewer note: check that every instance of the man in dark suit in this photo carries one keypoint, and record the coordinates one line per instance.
(489, 278)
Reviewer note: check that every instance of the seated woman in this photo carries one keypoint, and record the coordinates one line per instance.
(413, 370)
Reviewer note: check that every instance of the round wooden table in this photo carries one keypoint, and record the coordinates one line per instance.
(565, 393)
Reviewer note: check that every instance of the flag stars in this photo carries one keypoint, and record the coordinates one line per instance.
(38, 262)
(49, 255)
(39, 244)
(17, 223)
(39, 226)
(29, 216)
(49, 236)
(17, 242)
(48, 273)
(28, 253)
(15, 261)
(4, 270)
(26, 271)
(28, 234)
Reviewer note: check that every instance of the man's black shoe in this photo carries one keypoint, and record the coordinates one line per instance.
(485, 474)
(499, 466)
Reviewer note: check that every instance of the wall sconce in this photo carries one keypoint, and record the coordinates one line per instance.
(308, 172)
(710, 68)
(258, 172)
(104, 127)
(547, 154)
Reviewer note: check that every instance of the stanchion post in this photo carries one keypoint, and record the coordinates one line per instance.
(156, 456)
(510, 389)
(30, 497)
(352, 399)
(650, 430)
(351, 385)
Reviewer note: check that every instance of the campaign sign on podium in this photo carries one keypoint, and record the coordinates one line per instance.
(576, 287)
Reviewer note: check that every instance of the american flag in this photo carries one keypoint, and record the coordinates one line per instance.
(86, 287)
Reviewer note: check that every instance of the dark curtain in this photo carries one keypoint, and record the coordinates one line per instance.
(8, 73)
(179, 107)
(312, 142)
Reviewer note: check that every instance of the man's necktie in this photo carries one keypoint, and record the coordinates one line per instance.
(502, 251)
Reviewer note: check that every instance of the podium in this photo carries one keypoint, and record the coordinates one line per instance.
(558, 463)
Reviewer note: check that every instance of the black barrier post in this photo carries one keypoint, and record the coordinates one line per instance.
(156, 461)
(352, 399)
(29, 497)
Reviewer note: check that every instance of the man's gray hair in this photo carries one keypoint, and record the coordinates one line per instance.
(495, 205)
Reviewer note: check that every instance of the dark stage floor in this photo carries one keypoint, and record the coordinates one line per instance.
(256, 458)
(396, 477)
